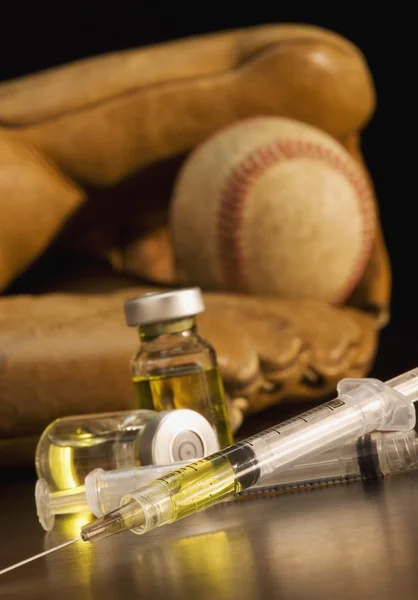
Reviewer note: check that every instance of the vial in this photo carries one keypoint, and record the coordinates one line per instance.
(71, 447)
(174, 368)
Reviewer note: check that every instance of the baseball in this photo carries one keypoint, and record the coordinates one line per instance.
(275, 206)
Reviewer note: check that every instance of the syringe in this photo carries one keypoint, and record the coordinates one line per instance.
(373, 455)
(362, 406)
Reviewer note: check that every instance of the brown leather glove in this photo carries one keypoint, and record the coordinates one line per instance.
(83, 135)
(68, 353)
(89, 166)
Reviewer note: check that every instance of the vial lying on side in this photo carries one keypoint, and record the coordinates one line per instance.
(71, 447)
(174, 367)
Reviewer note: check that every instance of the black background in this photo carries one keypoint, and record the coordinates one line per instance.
(33, 38)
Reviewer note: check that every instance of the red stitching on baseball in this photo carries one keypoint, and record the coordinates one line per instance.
(238, 186)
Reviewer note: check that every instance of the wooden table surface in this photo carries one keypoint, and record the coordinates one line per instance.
(349, 541)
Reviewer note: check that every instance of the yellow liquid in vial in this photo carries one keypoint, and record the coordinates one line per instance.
(191, 387)
(65, 462)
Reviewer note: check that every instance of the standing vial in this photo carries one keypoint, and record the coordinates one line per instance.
(174, 367)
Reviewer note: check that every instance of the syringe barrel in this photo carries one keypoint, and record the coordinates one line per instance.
(372, 455)
(362, 406)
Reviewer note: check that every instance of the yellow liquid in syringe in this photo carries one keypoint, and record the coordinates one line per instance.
(215, 481)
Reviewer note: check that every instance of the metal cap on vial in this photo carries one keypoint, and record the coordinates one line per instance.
(176, 436)
(165, 306)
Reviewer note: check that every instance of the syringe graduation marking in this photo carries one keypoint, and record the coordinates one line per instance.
(331, 405)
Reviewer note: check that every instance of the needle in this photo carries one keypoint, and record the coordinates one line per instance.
(23, 562)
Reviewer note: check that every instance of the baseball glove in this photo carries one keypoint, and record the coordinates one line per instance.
(88, 156)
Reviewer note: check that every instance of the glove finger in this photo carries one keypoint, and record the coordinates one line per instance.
(272, 336)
